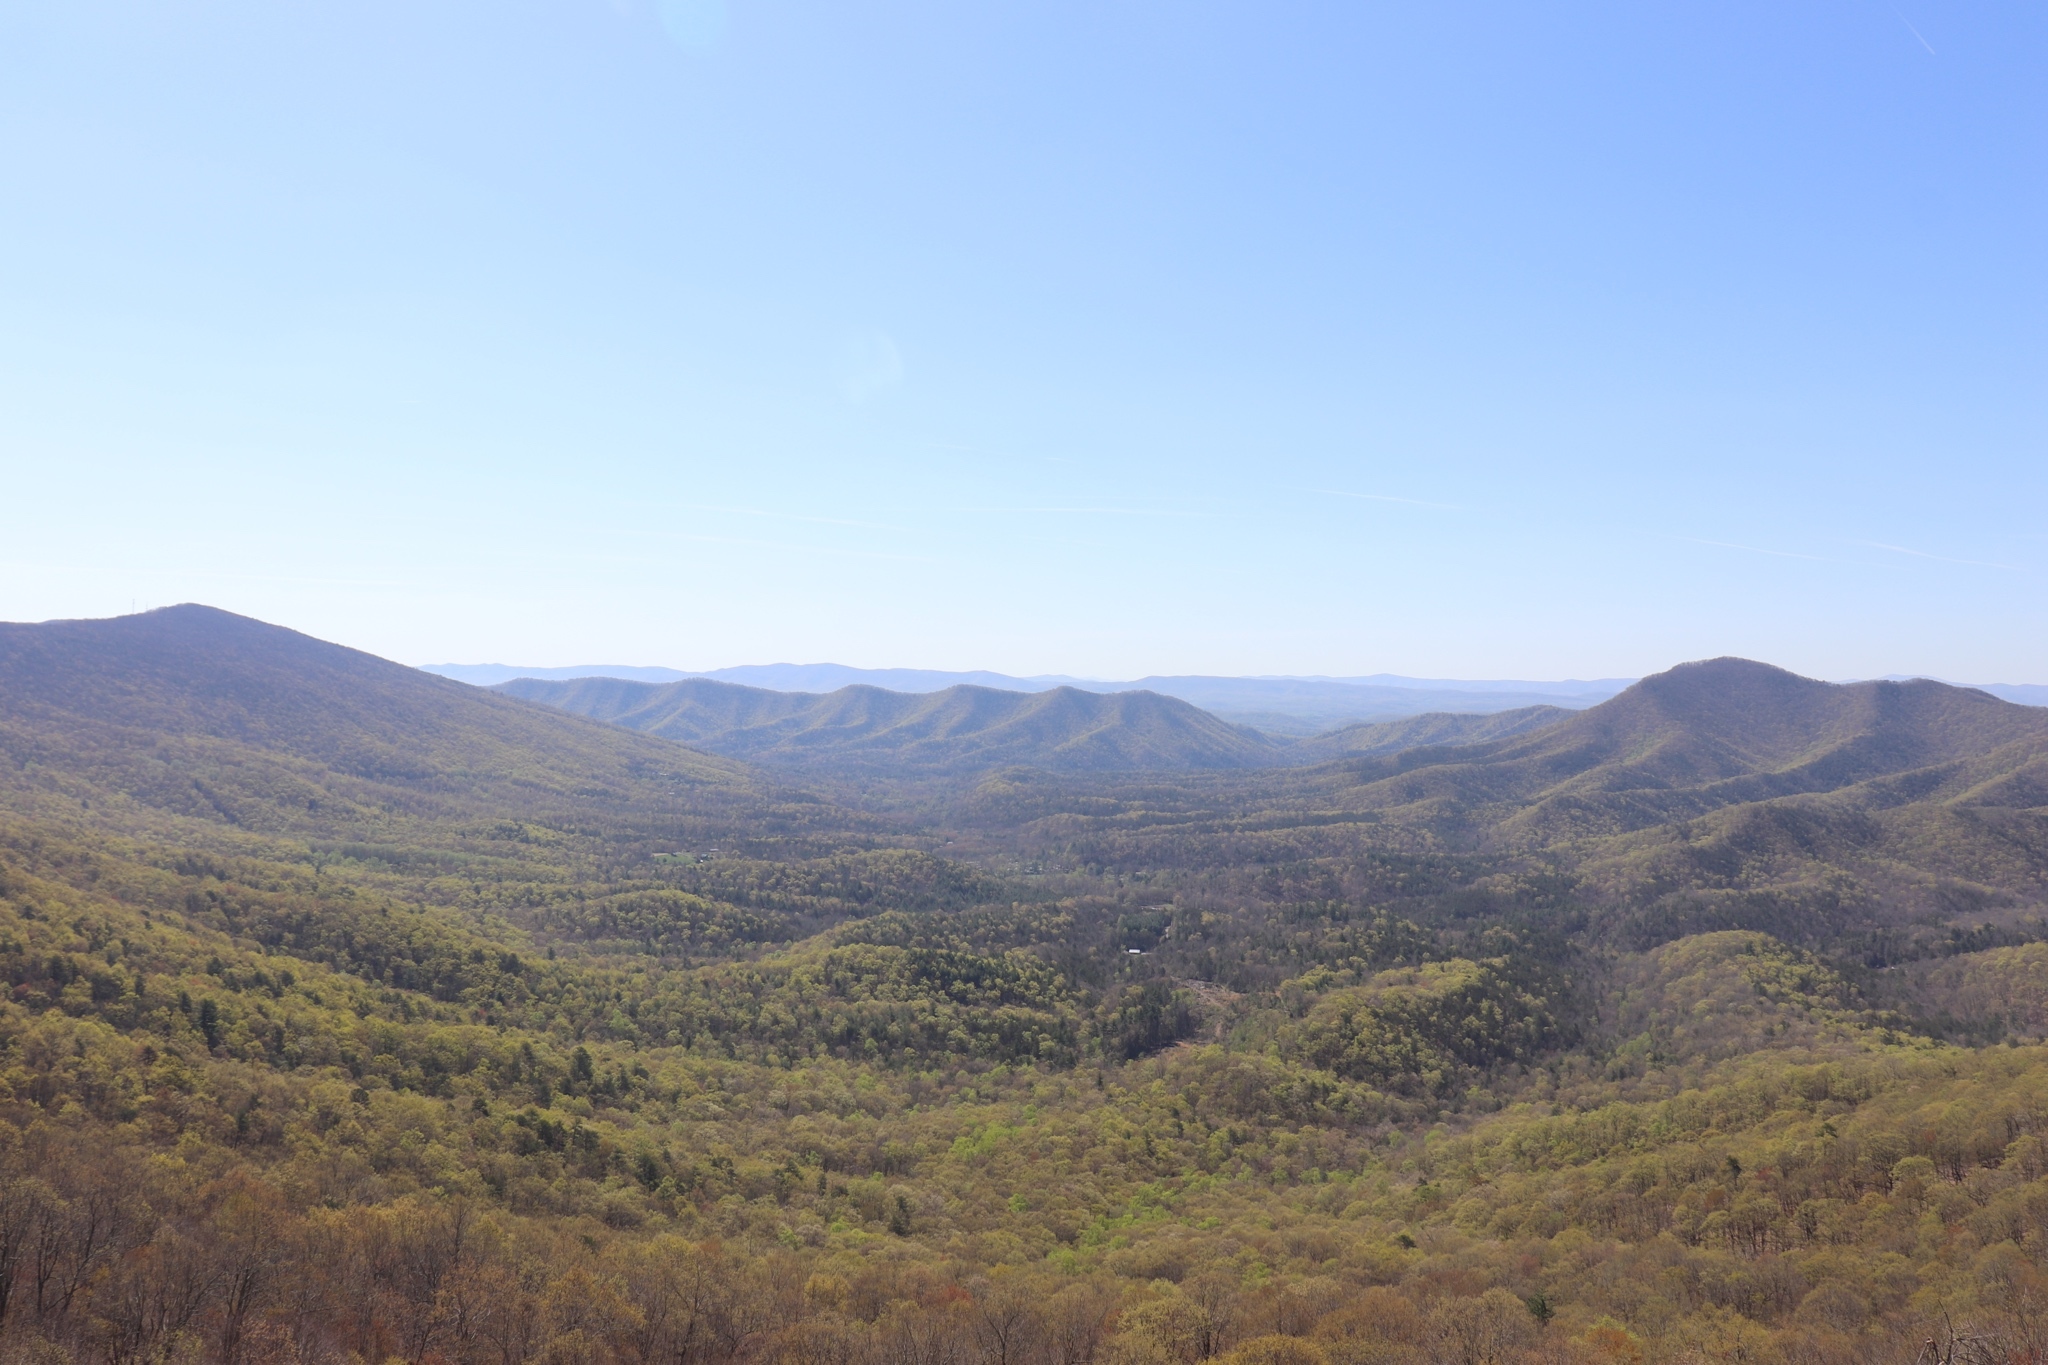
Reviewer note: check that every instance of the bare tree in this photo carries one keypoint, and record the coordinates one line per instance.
(1006, 1324)
(248, 1245)
(152, 1296)
(23, 1207)
(429, 1240)
(1076, 1320)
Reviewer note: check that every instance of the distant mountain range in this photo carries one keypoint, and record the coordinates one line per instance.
(958, 729)
(1717, 795)
(1751, 777)
(1434, 730)
(1294, 707)
(313, 961)
(1711, 795)
(1669, 748)
(1721, 733)
(2025, 694)
(970, 729)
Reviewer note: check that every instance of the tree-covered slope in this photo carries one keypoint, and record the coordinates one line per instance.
(1724, 732)
(191, 736)
(214, 1145)
(961, 729)
(420, 1024)
(1434, 730)
(193, 712)
(194, 670)
(1721, 795)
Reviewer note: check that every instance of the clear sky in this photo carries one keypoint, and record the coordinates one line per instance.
(1463, 339)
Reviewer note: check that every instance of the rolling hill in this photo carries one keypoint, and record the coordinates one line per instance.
(353, 1014)
(1304, 707)
(1718, 795)
(1726, 732)
(1292, 707)
(1434, 729)
(194, 723)
(958, 730)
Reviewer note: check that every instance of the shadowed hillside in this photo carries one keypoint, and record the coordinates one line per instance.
(963, 729)
(1292, 707)
(199, 724)
(1437, 729)
(1733, 730)
(1719, 795)
(347, 1014)
(1710, 735)
(957, 730)
(197, 673)
(1303, 708)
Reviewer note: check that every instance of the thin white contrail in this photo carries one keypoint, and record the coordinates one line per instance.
(1914, 31)
(1757, 549)
(1922, 554)
(1381, 497)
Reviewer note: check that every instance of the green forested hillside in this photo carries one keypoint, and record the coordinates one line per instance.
(961, 729)
(964, 730)
(1884, 810)
(1434, 729)
(351, 1014)
(202, 675)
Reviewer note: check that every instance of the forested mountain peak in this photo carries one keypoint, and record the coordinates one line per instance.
(350, 1013)
(1761, 718)
(1718, 732)
(195, 669)
(194, 713)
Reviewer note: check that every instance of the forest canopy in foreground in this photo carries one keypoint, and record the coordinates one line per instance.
(357, 1014)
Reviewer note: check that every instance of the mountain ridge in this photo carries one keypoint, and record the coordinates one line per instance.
(189, 713)
(1292, 707)
(485, 1045)
(788, 677)
(1434, 729)
(1287, 706)
(965, 728)
(1715, 733)
(955, 730)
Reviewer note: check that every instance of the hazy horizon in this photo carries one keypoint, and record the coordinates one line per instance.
(1450, 453)
(1592, 685)
(1389, 678)
(1588, 686)
(1210, 339)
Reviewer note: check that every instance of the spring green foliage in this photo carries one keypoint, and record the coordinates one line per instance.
(356, 1015)
(1417, 1029)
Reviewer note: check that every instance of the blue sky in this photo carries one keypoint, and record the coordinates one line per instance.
(1462, 339)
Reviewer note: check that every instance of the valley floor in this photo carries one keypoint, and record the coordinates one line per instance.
(352, 1015)
(218, 1150)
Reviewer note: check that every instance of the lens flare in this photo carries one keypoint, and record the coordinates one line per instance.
(869, 364)
(693, 25)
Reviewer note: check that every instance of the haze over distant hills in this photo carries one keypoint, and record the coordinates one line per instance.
(960, 729)
(1296, 707)
(278, 910)
(773, 677)
(1714, 782)
(2025, 694)
(966, 729)
(1717, 795)
(1720, 733)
